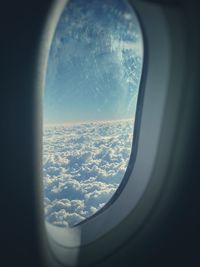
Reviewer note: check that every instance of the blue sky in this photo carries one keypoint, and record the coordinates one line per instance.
(94, 64)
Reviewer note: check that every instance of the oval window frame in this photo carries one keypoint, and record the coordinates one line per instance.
(60, 248)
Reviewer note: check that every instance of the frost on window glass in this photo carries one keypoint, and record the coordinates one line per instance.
(91, 90)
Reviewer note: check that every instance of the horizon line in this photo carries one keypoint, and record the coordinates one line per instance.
(84, 122)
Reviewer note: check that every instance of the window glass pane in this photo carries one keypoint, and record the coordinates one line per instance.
(91, 90)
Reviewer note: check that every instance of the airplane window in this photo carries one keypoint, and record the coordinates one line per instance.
(90, 99)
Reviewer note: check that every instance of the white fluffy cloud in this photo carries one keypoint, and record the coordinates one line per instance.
(83, 166)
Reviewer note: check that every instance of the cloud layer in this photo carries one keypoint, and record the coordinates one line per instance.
(83, 165)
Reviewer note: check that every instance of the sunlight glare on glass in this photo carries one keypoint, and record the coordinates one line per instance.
(90, 97)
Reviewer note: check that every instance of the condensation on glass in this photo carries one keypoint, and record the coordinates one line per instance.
(90, 98)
